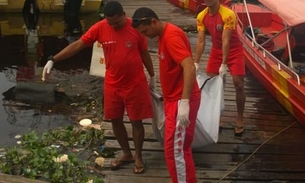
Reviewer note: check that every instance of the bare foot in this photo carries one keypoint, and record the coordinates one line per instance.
(122, 160)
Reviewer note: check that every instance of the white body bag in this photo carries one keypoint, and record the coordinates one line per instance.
(208, 117)
(211, 107)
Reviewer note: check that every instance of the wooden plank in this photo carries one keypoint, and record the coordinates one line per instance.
(253, 136)
(242, 147)
(215, 175)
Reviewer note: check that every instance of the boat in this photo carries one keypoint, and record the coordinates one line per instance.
(273, 37)
(196, 6)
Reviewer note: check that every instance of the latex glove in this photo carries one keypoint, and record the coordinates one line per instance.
(183, 113)
(152, 83)
(196, 66)
(223, 69)
(47, 69)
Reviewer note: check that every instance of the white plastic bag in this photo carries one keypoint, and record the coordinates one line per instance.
(158, 115)
(211, 106)
(97, 66)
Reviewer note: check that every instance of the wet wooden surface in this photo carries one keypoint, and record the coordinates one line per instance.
(271, 149)
(164, 10)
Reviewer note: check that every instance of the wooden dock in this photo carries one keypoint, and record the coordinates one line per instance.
(271, 149)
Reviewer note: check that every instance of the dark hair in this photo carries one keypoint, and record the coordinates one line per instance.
(143, 16)
(113, 8)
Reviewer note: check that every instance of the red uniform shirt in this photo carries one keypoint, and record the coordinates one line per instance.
(174, 47)
(122, 48)
(225, 19)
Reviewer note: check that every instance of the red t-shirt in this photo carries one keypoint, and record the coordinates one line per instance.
(225, 19)
(174, 47)
(122, 52)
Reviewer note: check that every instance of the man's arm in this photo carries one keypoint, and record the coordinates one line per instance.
(70, 50)
(189, 75)
(148, 63)
(226, 37)
(199, 46)
(67, 52)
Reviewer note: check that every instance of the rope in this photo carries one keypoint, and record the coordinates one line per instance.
(259, 147)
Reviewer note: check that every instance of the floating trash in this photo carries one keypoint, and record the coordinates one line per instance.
(100, 161)
(85, 122)
(2, 152)
(19, 142)
(18, 136)
(54, 145)
(61, 159)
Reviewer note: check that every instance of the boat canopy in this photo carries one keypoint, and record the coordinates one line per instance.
(291, 11)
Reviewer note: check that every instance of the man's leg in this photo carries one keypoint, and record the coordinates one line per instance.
(120, 133)
(114, 109)
(138, 107)
(177, 144)
(138, 138)
(238, 82)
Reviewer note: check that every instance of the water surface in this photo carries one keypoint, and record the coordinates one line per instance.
(28, 103)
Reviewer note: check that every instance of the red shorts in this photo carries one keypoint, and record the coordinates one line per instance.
(136, 100)
(236, 62)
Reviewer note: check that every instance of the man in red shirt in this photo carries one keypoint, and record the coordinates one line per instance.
(125, 84)
(227, 51)
(180, 92)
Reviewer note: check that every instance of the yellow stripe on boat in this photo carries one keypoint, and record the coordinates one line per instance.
(282, 92)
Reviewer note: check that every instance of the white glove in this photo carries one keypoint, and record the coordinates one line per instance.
(152, 83)
(223, 69)
(183, 113)
(47, 69)
(196, 66)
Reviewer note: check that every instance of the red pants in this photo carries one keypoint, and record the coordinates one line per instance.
(177, 143)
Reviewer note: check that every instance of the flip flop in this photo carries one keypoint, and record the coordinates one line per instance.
(239, 130)
(117, 163)
(139, 169)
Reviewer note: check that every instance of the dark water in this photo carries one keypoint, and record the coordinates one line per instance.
(27, 103)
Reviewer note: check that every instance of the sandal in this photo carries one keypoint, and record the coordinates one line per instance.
(139, 169)
(239, 130)
(117, 163)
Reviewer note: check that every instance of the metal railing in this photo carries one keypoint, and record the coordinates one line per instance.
(280, 64)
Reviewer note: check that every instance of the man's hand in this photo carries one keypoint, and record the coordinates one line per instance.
(223, 69)
(46, 70)
(152, 82)
(183, 113)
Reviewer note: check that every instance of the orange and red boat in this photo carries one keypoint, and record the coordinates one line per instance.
(273, 36)
(194, 6)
